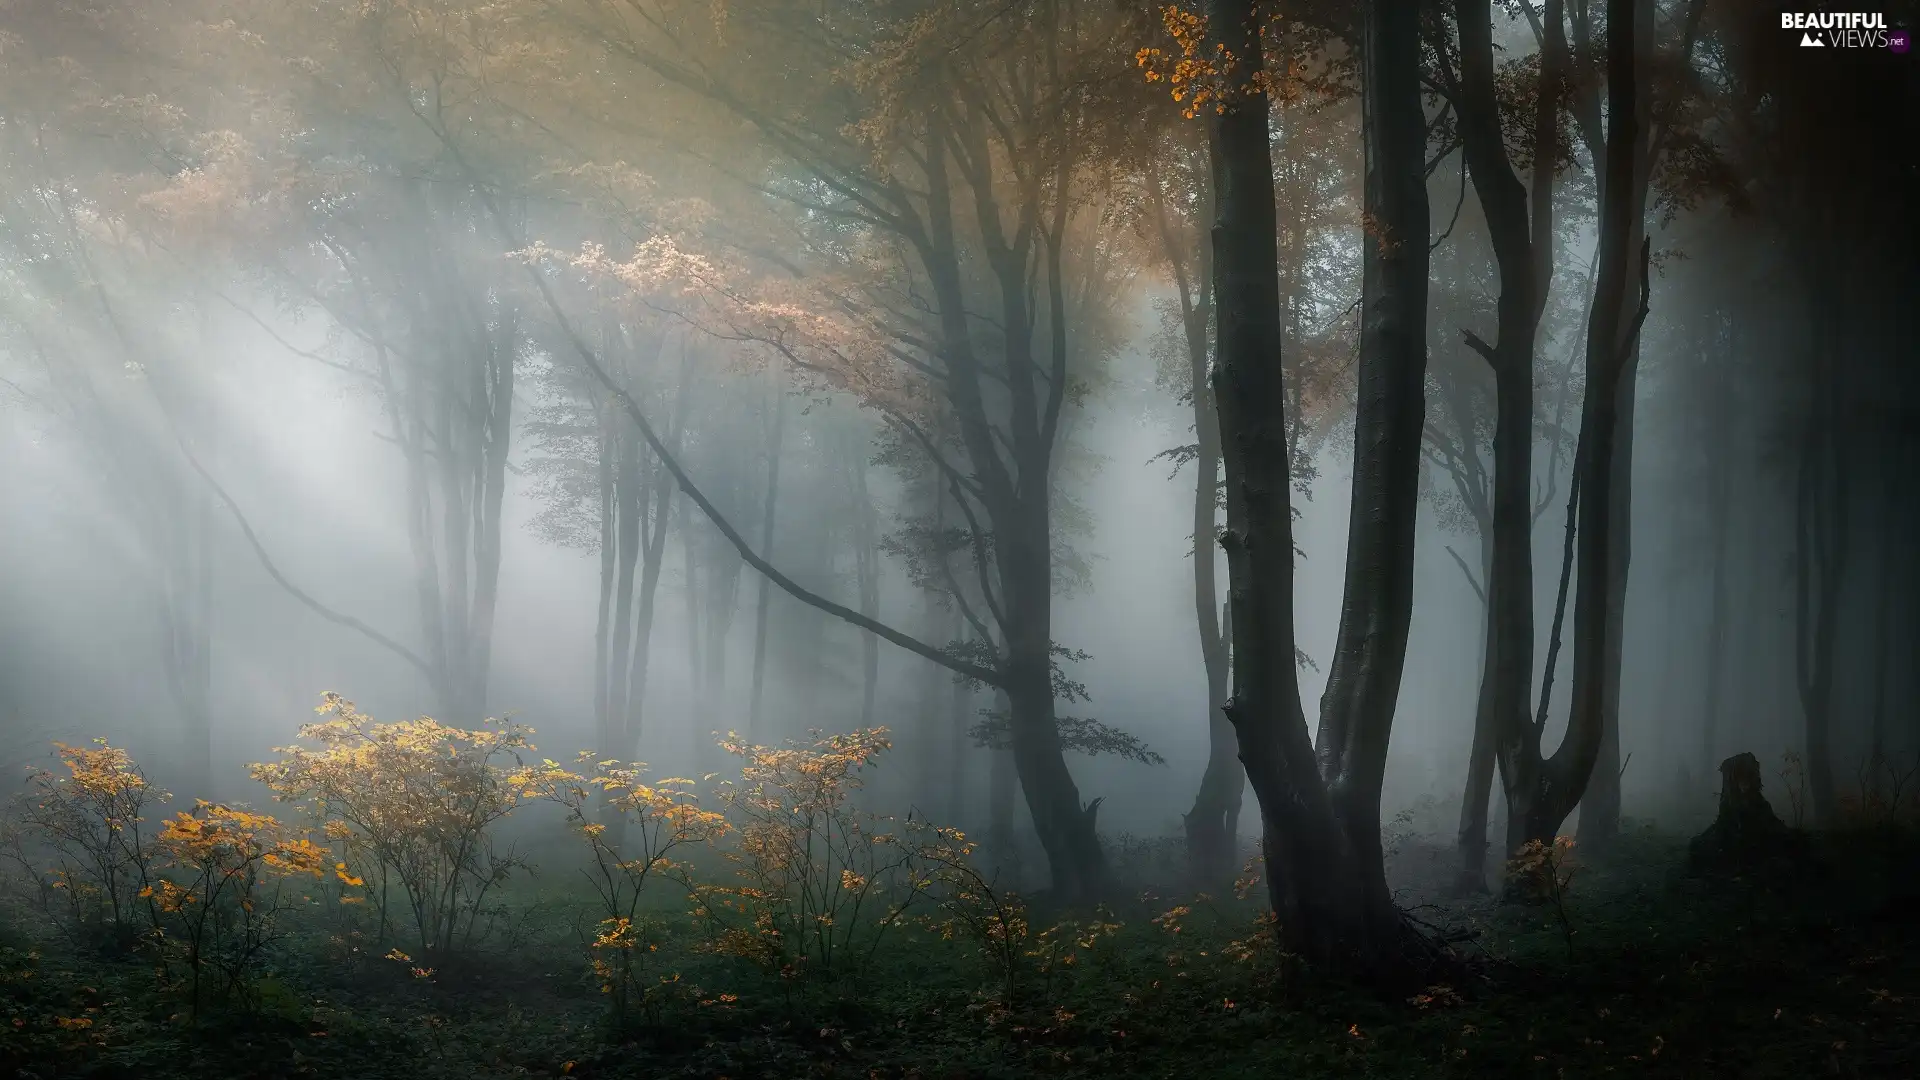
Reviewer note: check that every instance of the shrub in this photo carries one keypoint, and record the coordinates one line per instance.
(216, 907)
(645, 824)
(817, 884)
(81, 839)
(408, 806)
(1542, 873)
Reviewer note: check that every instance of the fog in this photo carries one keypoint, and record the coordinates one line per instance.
(212, 483)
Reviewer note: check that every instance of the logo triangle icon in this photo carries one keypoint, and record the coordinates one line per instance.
(1807, 40)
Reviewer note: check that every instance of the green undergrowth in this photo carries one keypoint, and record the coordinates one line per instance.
(1808, 974)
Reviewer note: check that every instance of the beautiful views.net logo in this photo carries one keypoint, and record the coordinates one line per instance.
(1844, 30)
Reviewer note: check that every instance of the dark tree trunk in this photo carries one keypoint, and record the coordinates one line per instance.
(1320, 814)
(1012, 479)
(1720, 529)
(1600, 809)
(1820, 551)
(1471, 839)
(1521, 234)
(1562, 779)
(1363, 683)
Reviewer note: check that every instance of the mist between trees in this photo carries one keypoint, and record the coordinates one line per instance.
(1073, 389)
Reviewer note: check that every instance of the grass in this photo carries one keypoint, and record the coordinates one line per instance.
(1667, 976)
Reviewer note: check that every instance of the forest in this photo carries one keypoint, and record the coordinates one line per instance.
(775, 539)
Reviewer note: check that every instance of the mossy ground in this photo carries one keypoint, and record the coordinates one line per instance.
(1666, 976)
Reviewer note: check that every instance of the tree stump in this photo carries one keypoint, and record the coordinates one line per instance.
(1747, 832)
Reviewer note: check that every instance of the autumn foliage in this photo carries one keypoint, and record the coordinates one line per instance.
(406, 807)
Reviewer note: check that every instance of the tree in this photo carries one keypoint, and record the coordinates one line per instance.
(985, 220)
(1319, 811)
(1522, 240)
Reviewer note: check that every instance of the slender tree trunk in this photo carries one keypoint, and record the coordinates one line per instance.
(187, 621)
(1720, 525)
(1820, 555)
(1471, 840)
(1888, 577)
(695, 599)
(629, 507)
(1212, 822)
(653, 553)
(866, 563)
(605, 478)
(1519, 230)
(724, 570)
(1563, 779)
(775, 447)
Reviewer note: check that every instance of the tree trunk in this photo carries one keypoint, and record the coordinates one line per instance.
(187, 623)
(723, 602)
(1321, 837)
(1471, 839)
(1522, 236)
(1363, 682)
(653, 555)
(1820, 553)
(1212, 823)
(1562, 780)
(1600, 809)
(775, 445)
(1002, 791)
(604, 476)
(1720, 526)
(629, 507)
(866, 566)
(959, 719)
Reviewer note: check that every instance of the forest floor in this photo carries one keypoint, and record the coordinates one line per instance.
(1649, 972)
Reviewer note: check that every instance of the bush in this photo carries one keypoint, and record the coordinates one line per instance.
(217, 907)
(81, 840)
(818, 884)
(646, 824)
(408, 807)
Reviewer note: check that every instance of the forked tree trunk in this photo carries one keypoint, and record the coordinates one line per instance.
(1320, 813)
(1561, 781)
(1521, 231)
